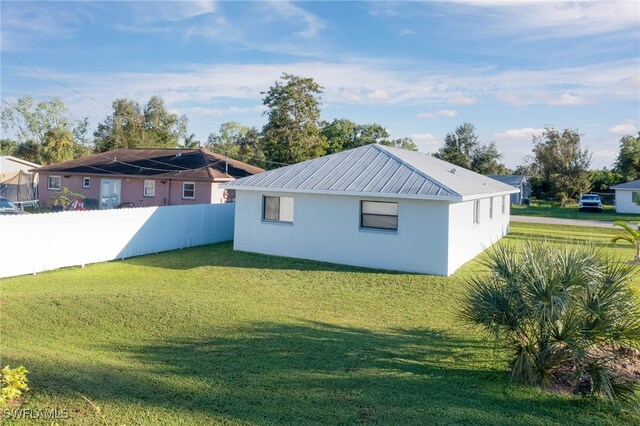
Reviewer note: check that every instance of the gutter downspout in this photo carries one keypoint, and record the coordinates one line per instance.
(169, 192)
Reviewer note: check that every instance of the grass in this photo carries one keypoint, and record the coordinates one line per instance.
(572, 212)
(211, 336)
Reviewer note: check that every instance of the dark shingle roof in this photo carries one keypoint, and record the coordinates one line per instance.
(196, 164)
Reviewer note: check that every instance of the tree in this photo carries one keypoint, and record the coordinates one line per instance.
(404, 143)
(628, 161)
(459, 146)
(239, 142)
(8, 146)
(292, 131)
(603, 179)
(463, 148)
(32, 120)
(562, 164)
(564, 314)
(29, 150)
(343, 134)
(131, 126)
(486, 160)
(632, 236)
(191, 142)
(58, 146)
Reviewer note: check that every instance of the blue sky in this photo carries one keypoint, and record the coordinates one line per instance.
(418, 68)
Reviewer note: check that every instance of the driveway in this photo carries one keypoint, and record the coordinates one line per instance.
(557, 221)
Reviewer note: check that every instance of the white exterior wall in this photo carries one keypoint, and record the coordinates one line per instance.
(327, 228)
(467, 239)
(624, 203)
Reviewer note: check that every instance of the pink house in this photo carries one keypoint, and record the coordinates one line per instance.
(144, 177)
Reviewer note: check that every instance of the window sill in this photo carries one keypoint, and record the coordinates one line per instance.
(277, 222)
(379, 231)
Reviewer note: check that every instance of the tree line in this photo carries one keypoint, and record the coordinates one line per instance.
(46, 133)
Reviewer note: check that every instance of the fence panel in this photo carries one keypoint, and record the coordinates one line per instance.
(42, 242)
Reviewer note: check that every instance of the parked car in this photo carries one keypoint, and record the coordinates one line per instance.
(8, 208)
(590, 202)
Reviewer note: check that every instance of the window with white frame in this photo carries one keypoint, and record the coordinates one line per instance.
(149, 188)
(490, 208)
(189, 190)
(476, 212)
(277, 209)
(379, 215)
(504, 204)
(54, 183)
(86, 182)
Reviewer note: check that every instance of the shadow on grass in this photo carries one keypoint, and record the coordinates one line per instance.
(315, 373)
(223, 255)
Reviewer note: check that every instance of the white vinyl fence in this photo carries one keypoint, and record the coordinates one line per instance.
(41, 242)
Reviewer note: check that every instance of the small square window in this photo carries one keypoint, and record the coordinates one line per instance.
(149, 188)
(379, 215)
(189, 190)
(86, 182)
(277, 209)
(54, 183)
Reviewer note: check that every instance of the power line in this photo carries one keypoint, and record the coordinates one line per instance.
(54, 80)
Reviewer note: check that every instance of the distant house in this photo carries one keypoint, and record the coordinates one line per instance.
(626, 196)
(372, 206)
(145, 177)
(517, 181)
(17, 183)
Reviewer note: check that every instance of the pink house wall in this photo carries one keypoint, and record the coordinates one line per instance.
(168, 193)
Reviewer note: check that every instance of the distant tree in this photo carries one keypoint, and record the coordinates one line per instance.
(191, 141)
(343, 134)
(29, 150)
(628, 161)
(602, 180)
(8, 146)
(459, 146)
(239, 142)
(562, 164)
(463, 148)
(292, 131)
(132, 126)
(404, 143)
(486, 160)
(58, 146)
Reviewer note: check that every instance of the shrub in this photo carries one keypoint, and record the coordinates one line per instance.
(565, 313)
(12, 383)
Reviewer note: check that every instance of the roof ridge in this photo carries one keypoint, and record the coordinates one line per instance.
(416, 170)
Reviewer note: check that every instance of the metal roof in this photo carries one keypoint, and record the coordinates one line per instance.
(513, 180)
(634, 184)
(377, 170)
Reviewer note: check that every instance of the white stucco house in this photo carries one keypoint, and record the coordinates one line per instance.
(626, 195)
(372, 206)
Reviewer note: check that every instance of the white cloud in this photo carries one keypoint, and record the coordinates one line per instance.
(426, 142)
(447, 113)
(567, 99)
(518, 134)
(627, 128)
(425, 115)
(459, 99)
(406, 32)
(380, 95)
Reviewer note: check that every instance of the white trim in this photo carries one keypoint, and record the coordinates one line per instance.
(20, 160)
(368, 194)
(144, 188)
(194, 190)
(49, 183)
(88, 182)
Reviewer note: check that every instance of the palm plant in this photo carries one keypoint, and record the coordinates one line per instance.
(632, 236)
(563, 312)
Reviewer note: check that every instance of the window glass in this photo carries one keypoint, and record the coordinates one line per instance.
(271, 208)
(54, 182)
(379, 215)
(149, 188)
(86, 182)
(188, 190)
(277, 209)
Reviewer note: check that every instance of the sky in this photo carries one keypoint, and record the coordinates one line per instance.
(511, 68)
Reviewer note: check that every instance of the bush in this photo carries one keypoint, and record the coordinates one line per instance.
(566, 314)
(12, 384)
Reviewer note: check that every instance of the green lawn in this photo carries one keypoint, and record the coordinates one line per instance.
(208, 335)
(608, 214)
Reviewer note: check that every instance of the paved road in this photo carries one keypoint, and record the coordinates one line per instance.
(557, 221)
